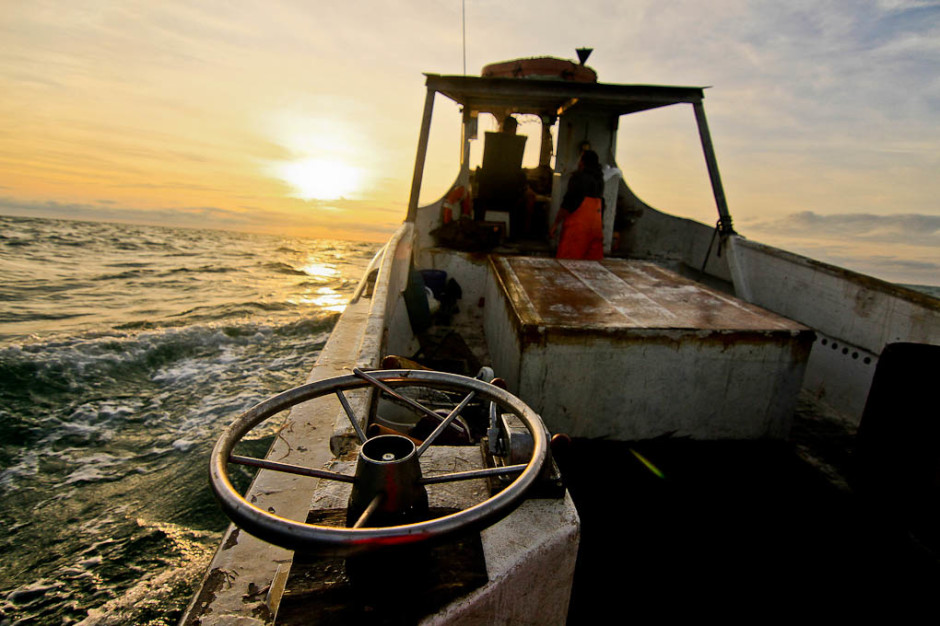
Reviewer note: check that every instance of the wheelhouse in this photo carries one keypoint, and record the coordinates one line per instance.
(576, 113)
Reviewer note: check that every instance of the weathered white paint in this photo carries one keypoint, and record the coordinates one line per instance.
(657, 235)
(530, 559)
(427, 219)
(367, 338)
(861, 310)
(839, 375)
(674, 383)
(502, 336)
(612, 177)
(396, 333)
(859, 313)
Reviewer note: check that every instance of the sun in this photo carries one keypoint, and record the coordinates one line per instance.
(321, 179)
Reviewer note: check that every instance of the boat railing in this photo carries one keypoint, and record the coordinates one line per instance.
(368, 325)
(243, 565)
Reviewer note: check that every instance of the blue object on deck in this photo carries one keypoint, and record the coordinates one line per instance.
(436, 280)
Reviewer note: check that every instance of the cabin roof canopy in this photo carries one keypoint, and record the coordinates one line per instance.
(552, 97)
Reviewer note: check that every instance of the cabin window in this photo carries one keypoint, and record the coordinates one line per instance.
(511, 174)
(442, 165)
(661, 158)
(529, 125)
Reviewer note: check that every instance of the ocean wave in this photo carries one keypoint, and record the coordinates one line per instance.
(138, 575)
(108, 418)
(202, 269)
(18, 316)
(25, 290)
(67, 240)
(136, 273)
(100, 467)
(92, 393)
(12, 241)
(218, 312)
(283, 268)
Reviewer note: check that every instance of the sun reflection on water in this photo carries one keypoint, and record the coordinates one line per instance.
(320, 270)
(323, 298)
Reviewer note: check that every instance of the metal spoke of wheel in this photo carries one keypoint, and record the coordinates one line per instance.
(376, 501)
(447, 420)
(413, 404)
(471, 474)
(351, 416)
(288, 468)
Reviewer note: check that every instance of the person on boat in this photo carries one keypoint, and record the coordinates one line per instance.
(580, 215)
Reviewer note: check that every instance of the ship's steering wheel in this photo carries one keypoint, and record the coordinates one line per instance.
(343, 541)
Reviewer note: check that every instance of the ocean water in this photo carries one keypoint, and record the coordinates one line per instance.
(123, 352)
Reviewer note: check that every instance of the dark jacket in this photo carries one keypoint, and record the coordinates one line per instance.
(586, 183)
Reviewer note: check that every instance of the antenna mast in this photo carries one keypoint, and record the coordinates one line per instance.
(463, 23)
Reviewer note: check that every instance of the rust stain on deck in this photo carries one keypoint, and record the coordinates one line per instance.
(624, 296)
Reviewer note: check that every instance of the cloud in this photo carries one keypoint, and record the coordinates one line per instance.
(822, 106)
(898, 248)
(904, 264)
(243, 219)
(908, 228)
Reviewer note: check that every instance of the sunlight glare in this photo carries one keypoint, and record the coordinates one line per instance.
(320, 270)
(321, 179)
(325, 299)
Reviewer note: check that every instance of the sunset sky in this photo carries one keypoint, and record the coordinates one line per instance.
(301, 117)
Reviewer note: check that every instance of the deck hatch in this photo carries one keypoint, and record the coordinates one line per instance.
(626, 349)
(623, 295)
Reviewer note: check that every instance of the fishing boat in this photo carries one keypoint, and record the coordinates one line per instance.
(495, 435)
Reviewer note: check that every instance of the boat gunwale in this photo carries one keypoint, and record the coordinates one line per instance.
(858, 278)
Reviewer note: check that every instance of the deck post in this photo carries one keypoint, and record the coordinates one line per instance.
(421, 156)
(468, 131)
(724, 217)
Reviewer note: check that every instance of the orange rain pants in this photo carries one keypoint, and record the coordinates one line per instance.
(582, 235)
